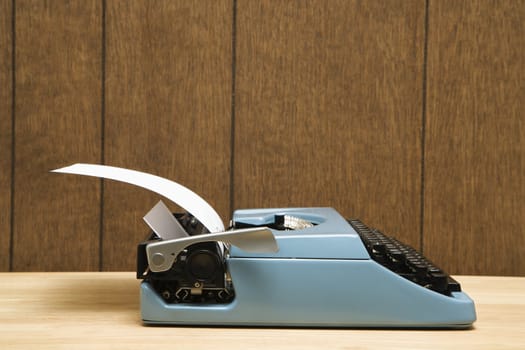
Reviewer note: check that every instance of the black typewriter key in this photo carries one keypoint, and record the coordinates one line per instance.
(439, 282)
(420, 268)
(379, 248)
(410, 256)
(390, 246)
(433, 269)
(453, 285)
(397, 255)
(404, 260)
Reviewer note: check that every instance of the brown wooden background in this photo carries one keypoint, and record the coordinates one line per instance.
(406, 114)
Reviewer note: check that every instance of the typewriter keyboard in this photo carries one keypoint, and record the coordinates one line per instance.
(404, 260)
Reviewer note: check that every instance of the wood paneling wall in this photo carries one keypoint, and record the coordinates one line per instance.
(57, 118)
(406, 114)
(168, 105)
(475, 150)
(6, 128)
(328, 98)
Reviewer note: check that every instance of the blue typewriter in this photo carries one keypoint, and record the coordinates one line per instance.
(305, 267)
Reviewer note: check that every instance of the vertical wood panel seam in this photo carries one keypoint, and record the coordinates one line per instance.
(423, 129)
(102, 135)
(232, 127)
(13, 104)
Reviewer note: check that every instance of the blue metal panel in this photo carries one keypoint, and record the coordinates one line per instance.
(320, 293)
(331, 238)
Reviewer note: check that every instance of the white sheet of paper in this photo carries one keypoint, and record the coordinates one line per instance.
(163, 223)
(175, 192)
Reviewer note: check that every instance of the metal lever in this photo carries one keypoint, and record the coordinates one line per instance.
(162, 255)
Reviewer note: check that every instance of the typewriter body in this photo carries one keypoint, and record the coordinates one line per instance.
(299, 267)
(324, 275)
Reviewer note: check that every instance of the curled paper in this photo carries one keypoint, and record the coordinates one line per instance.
(175, 192)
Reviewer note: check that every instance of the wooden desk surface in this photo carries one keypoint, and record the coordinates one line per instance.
(101, 310)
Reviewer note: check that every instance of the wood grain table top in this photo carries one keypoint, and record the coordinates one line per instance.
(87, 310)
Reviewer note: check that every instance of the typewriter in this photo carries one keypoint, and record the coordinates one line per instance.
(297, 267)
